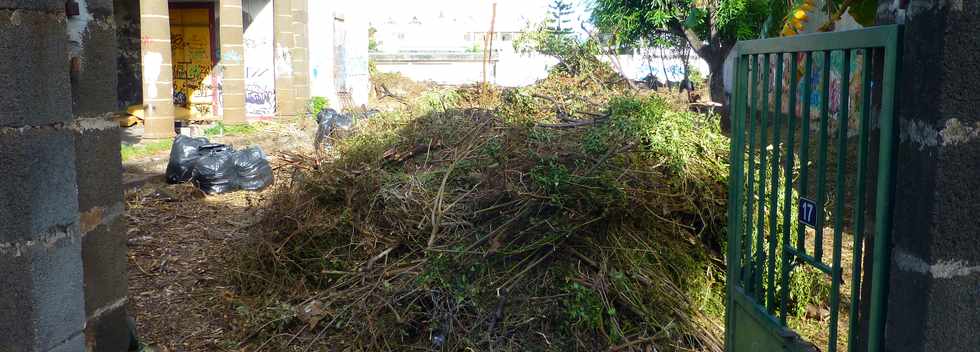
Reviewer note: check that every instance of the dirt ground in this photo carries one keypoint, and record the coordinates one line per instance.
(176, 236)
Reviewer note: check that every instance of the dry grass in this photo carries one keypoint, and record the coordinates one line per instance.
(570, 215)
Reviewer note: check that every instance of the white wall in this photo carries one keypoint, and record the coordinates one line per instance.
(515, 70)
(338, 48)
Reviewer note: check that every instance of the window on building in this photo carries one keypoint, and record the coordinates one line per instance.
(507, 37)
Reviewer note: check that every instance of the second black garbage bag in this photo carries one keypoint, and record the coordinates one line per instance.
(214, 170)
(254, 171)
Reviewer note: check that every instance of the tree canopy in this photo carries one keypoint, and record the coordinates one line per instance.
(711, 27)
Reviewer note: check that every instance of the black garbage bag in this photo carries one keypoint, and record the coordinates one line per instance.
(214, 170)
(331, 123)
(254, 172)
(325, 115)
(324, 121)
(183, 154)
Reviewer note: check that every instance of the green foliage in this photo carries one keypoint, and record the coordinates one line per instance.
(220, 129)
(584, 306)
(136, 151)
(864, 11)
(373, 45)
(676, 138)
(541, 38)
(572, 53)
(475, 48)
(372, 67)
(696, 77)
(725, 20)
(317, 104)
(559, 10)
(436, 100)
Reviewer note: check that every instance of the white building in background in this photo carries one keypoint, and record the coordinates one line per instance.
(339, 51)
(446, 46)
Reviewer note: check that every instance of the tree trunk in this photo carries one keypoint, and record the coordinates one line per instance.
(716, 87)
(716, 80)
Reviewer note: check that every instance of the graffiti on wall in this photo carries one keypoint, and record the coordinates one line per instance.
(259, 59)
(195, 86)
(260, 98)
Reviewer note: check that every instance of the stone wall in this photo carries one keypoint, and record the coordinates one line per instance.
(934, 295)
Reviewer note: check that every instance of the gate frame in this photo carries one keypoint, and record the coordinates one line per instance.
(888, 39)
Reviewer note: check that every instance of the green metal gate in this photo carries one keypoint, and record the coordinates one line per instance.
(796, 169)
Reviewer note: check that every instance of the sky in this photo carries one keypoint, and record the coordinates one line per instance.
(511, 14)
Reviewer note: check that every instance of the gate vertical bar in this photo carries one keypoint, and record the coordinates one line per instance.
(842, 118)
(774, 188)
(862, 169)
(822, 158)
(883, 215)
(788, 191)
(805, 147)
(734, 196)
(753, 113)
(763, 142)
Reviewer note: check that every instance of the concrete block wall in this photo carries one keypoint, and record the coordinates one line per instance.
(231, 37)
(98, 174)
(284, 43)
(41, 303)
(62, 246)
(934, 294)
(301, 55)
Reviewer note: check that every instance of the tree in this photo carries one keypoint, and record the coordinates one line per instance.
(372, 40)
(710, 27)
(559, 10)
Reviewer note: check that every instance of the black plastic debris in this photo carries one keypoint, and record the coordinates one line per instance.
(331, 123)
(183, 154)
(254, 171)
(214, 171)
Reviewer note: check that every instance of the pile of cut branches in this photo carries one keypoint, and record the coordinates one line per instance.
(569, 215)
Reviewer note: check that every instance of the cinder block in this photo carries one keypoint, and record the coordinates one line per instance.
(38, 191)
(94, 92)
(41, 302)
(104, 260)
(34, 86)
(18, 286)
(108, 332)
(98, 168)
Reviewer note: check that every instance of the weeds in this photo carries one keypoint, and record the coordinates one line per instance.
(136, 151)
(220, 129)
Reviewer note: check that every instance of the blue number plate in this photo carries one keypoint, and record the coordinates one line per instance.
(808, 212)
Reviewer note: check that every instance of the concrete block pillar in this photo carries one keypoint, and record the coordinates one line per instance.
(284, 43)
(98, 175)
(41, 300)
(158, 85)
(301, 56)
(934, 292)
(232, 66)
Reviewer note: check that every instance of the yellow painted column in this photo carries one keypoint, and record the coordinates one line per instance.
(158, 86)
(301, 56)
(232, 65)
(284, 43)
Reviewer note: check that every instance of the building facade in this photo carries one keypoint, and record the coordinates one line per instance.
(235, 60)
